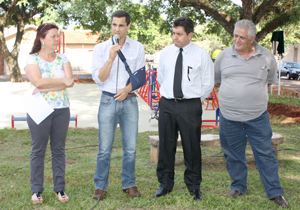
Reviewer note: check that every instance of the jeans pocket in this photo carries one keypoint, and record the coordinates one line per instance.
(106, 100)
(265, 113)
(133, 100)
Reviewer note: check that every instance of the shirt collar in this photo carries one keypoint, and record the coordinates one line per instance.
(126, 43)
(257, 50)
(127, 40)
(185, 48)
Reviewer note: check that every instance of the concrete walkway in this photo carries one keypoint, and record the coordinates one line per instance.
(84, 99)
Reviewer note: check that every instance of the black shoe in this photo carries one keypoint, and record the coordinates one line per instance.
(280, 201)
(234, 194)
(161, 191)
(196, 194)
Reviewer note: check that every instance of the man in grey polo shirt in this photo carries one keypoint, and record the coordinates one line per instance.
(244, 72)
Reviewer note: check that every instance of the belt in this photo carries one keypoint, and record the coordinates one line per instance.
(113, 94)
(183, 99)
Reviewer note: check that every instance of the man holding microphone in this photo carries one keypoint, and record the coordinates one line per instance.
(118, 104)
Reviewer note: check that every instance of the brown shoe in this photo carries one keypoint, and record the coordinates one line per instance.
(132, 192)
(280, 201)
(99, 194)
(234, 194)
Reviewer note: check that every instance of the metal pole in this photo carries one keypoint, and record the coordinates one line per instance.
(274, 53)
(274, 47)
(59, 41)
(279, 73)
(63, 42)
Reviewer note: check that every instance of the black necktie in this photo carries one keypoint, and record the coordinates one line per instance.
(178, 76)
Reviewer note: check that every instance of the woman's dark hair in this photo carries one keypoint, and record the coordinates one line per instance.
(41, 33)
(186, 23)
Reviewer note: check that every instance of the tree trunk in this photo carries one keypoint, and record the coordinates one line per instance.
(18, 13)
(1, 64)
(247, 9)
(11, 58)
(15, 72)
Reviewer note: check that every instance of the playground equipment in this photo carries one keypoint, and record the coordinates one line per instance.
(83, 77)
(212, 103)
(150, 92)
(61, 42)
(151, 95)
(13, 119)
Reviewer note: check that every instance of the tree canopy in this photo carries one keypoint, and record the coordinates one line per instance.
(218, 17)
(96, 15)
(268, 15)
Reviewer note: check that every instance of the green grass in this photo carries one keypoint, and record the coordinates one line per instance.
(82, 148)
(273, 98)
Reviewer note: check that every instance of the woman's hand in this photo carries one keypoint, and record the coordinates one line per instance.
(36, 90)
(69, 82)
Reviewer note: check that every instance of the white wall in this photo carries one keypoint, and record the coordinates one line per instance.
(291, 52)
(80, 58)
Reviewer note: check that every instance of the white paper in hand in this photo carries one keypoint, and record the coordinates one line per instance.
(36, 106)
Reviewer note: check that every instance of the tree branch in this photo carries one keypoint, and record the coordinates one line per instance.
(261, 10)
(3, 5)
(247, 9)
(225, 20)
(284, 19)
(8, 12)
(37, 10)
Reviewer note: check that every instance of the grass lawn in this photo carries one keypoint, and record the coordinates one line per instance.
(273, 98)
(81, 152)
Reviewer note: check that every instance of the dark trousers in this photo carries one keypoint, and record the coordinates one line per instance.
(56, 127)
(186, 117)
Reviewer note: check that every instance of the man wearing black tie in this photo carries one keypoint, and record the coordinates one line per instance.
(186, 75)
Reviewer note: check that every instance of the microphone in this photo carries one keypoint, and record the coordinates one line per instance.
(116, 38)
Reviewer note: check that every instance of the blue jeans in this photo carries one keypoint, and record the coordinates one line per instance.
(233, 137)
(111, 113)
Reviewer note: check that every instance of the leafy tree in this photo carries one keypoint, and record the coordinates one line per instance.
(96, 15)
(209, 42)
(18, 13)
(223, 14)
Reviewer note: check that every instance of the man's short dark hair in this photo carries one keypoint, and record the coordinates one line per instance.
(186, 23)
(122, 13)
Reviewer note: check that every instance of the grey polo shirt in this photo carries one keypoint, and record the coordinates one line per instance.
(243, 93)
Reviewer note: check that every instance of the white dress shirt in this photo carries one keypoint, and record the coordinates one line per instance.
(135, 57)
(197, 72)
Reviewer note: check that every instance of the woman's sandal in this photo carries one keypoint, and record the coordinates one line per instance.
(62, 196)
(37, 198)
